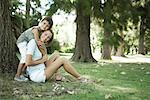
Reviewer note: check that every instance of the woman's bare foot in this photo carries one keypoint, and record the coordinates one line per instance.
(58, 77)
(82, 79)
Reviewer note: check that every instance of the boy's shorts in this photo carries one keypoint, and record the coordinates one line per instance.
(23, 50)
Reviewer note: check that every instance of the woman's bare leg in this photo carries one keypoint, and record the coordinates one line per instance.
(52, 58)
(54, 66)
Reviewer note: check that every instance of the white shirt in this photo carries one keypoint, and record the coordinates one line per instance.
(33, 50)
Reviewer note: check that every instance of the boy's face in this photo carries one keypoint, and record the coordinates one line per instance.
(46, 36)
(44, 25)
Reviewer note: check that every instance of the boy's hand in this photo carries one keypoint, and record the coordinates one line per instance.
(39, 43)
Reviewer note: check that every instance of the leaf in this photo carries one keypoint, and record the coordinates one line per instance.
(39, 95)
(108, 96)
(17, 91)
(148, 73)
(123, 73)
(142, 68)
(70, 92)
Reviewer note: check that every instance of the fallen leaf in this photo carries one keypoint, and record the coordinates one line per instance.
(123, 73)
(142, 68)
(108, 96)
(70, 92)
(148, 73)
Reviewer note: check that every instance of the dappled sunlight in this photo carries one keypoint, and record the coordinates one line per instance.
(123, 89)
(138, 58)
(132, 59)
(128, 59)
(117, 89)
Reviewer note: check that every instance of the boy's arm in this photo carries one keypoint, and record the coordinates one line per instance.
(36, 36)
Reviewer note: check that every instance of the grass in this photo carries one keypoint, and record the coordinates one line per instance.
(113, 81)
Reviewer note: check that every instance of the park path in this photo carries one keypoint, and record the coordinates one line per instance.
(138, 58)
(132, 59)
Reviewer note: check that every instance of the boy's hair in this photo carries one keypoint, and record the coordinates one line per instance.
(50, 21)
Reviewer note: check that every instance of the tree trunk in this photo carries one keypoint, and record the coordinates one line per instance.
(8, 59)
(120, 49)
(82, 46)
(27, 13)
(106, 53)
(141, 37)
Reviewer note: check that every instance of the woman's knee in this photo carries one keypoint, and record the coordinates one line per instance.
(57, 55)
(64, 59)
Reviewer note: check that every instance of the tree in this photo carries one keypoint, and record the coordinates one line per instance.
(8, 59)
(83, 9)
(114, 15)
(82, 46)
(28, 13)
(141, 14)
(141, 36)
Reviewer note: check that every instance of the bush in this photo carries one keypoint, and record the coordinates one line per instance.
(67, 49)
(54, 46)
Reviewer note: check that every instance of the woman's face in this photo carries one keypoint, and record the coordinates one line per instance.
(46, 36)
(44, 25)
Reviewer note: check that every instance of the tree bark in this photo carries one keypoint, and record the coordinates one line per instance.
(8, 59)
(27, 13)
(106, 51)
(82, 46)
(120, 49)
(141, 37)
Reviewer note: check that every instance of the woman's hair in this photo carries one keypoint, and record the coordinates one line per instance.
(50, 21)
(51, 39)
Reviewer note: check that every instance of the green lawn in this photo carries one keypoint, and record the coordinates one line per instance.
(113, 81)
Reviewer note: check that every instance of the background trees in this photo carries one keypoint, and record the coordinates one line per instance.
(123, 26)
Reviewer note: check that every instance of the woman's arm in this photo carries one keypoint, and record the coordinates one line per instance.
(30, 62)
(31, 47)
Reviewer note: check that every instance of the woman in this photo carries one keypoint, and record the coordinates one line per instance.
(40, 68)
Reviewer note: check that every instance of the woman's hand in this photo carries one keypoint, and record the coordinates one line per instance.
(30, 62)
(42, 49)
(44, 58)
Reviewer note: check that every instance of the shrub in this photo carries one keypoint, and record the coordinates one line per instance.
(54, 46)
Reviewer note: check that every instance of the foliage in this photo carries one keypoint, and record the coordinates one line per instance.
(65, 5)
(18, 14)
(67, 49)
(119, 14)
(54, 46)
